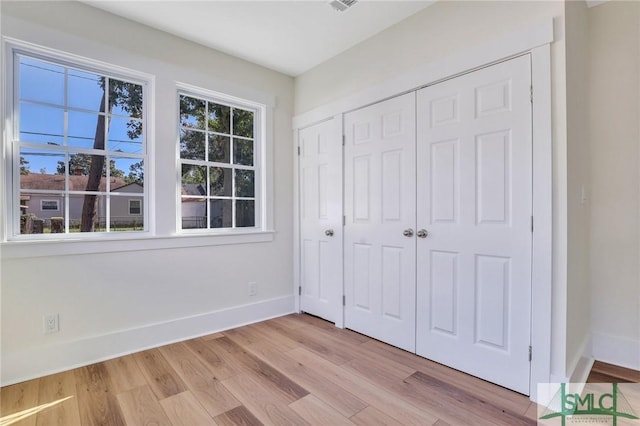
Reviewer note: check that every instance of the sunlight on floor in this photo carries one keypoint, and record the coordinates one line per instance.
(21, 415)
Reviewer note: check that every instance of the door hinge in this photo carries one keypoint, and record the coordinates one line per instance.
(300, 290)
(530, 353)
(531, 223)
(344, 140)
(298, 151)
(344, 300)
(344, 220)
(531, 93)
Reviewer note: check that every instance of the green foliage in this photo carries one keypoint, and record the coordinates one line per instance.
(136, 173)
(194, 174)
(198, 116)
(127, 96)
(24, 166)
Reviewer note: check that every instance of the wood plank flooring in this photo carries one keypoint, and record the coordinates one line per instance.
(602, 372)
(296, 369)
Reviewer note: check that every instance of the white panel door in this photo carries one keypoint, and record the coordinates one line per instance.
(475, 201)
(379, 280)
(321, 219)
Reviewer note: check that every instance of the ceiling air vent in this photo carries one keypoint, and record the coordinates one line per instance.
(342, 5)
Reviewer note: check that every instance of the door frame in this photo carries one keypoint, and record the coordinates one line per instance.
(535, 41)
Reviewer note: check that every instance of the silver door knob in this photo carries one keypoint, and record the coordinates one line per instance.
(408, 232)
(329, 232)
(423, 233)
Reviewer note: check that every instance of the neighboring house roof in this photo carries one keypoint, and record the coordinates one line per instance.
(129, 187)
(193, 189)
(56, 182)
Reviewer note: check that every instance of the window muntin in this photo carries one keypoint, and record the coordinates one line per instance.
(218, 164)
(79, 136)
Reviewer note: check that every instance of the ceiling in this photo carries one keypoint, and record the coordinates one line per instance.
(289, 36)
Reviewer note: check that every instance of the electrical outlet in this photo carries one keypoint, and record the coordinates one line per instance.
(252, 288)
(51, 323)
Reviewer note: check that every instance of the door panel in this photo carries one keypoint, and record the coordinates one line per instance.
(474, 199)
(321, 210)
(379, 206)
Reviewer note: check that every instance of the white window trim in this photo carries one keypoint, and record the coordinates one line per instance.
(159, 236)
(11, 217)
(263, 193)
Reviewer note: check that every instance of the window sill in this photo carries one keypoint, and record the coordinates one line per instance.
(30, 249)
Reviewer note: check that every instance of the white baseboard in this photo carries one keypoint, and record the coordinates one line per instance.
(40, 361)
(616, 350)
(580, 368)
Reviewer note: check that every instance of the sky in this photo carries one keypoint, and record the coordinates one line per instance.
(55, 113)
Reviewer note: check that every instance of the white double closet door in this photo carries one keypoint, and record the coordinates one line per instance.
(437, 235)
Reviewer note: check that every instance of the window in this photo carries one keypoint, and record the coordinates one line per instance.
(52, 205)
(135, 207)
(78, 146)
(219, 163)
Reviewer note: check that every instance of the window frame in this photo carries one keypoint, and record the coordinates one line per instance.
(260, 162)
(13, 50)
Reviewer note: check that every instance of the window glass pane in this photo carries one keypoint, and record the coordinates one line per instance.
(245, 213)
(41, 124)
(243, 152)
(192, 145)
(125, 135)
(126, 214)
(220, 181)
(219, 118)
(86, 90)
(192, 112)
(244, 183)
(41, 81)
(39, 162)
(194, 213)
(127, 175)
(93, 219)
(125, 98)
(221, 213)
(81, 169)
(132, 172)
(83, 131)
(37, 212)
(219, 151)
(242, 123)
(194, 180)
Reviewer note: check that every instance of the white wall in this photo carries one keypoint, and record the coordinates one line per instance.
(614, 37)
(437, 32)
(141, 294)
(443, 30)
(578, 166)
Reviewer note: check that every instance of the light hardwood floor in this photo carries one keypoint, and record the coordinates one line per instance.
(295, 369)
